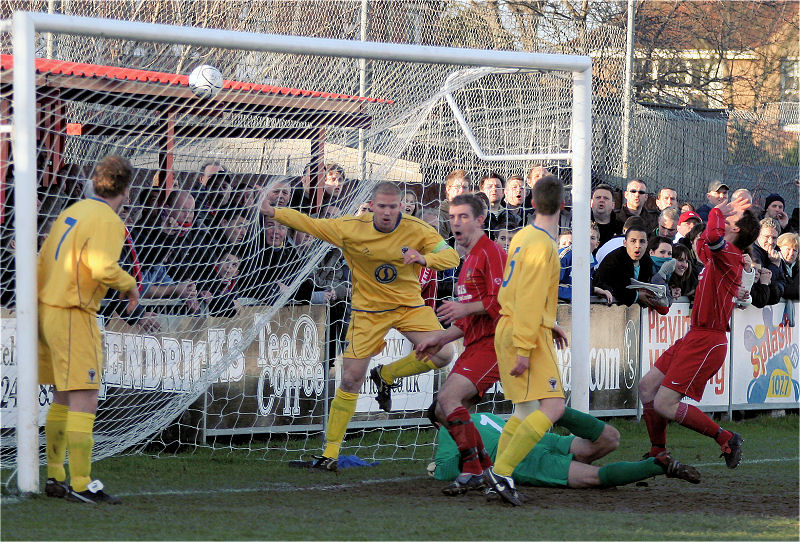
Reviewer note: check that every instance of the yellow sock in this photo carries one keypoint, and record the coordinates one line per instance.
(79, 444)
(508, 433)
(406, 366)
(529, 432)
(55, 430)
(342, 408)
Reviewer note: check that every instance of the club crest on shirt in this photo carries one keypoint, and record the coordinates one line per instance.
(385, 273)
(552, 382)
(92, 374)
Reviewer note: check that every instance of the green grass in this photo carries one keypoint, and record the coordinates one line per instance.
(236, 495)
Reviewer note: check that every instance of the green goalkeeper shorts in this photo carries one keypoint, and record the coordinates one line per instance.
(547, 465)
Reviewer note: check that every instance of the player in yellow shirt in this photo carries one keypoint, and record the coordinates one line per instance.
(77, 264)
(384, 250)
(525, 337)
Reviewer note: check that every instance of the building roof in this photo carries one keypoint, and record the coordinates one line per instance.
(96, 71)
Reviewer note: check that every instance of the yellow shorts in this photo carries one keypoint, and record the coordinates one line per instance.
(542, 380)
(367, 329)
(70, 349)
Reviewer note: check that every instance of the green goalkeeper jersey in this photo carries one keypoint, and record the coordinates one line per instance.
(546, 465)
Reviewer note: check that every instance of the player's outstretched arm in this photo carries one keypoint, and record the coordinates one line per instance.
(436, 252)
(327, 229)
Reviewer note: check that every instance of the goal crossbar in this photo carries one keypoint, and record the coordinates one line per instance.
(24, 27)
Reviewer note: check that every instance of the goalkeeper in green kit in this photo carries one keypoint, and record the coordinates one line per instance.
(564, 461)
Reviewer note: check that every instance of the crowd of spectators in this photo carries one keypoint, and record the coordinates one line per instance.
(205, 248)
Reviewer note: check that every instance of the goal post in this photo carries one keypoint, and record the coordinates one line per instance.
(26, 25)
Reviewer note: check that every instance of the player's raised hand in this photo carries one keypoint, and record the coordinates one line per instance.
(412, 256)
(735, 207)
(521, 366)
(450, 311)
(560, 337)
(264, 206)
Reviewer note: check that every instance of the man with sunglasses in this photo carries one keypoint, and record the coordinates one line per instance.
(635, 197)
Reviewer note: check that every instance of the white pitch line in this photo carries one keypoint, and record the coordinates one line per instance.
(721, 463)
(284, 486)
(281, 486)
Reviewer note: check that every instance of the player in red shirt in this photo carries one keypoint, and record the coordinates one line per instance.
(473, 317)
(685, 368)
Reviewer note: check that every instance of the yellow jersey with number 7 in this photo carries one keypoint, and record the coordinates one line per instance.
(79, 260)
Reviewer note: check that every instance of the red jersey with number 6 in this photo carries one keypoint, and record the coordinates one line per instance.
(720, 278)
(479, 280)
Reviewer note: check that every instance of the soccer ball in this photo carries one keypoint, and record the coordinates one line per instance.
(205, 81)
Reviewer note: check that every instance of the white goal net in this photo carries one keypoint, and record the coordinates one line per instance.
(241, 339)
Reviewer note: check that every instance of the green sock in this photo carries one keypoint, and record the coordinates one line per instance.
(581, 424)
(626, 472)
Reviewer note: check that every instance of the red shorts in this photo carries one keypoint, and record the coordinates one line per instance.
(478, 363)
(693, 360)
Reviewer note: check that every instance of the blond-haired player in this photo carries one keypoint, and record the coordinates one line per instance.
(384, 250)
(77, 265)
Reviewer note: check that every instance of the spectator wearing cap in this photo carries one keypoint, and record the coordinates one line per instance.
(686, 222)
(774, 207)
(667, 223)
(635, 197)
(717, 193)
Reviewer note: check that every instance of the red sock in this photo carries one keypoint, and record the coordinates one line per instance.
(483, 455)
(656, 428)
(463, 431)
(692, 417)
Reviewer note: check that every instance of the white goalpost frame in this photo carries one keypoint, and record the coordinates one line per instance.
(26, 24)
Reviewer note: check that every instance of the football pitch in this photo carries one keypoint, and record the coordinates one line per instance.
(236, 496)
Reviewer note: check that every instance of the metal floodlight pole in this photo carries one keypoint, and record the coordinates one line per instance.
(626, 93)
(24, 121)
(581, 194)
(362, 91)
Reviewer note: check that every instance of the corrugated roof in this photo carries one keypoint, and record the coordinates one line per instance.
(62, 67)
